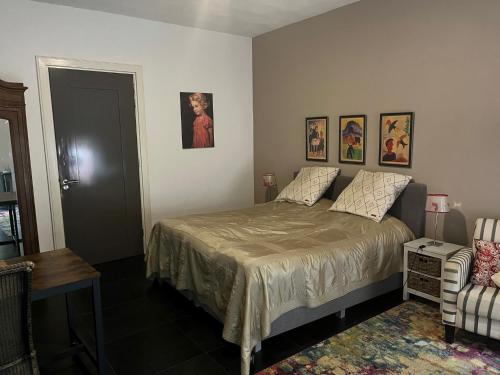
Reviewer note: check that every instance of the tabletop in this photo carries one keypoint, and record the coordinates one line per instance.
(443, 250)
(56, 268)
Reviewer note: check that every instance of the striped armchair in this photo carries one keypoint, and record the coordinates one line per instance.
(474, 308)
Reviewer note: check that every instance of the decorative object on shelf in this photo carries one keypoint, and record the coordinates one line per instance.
(396, 139)
(270, 182)
(317, 138)
(352, 139)
(197, 116)
(438, 204)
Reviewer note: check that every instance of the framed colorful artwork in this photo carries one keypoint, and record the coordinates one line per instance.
(352, 139)
(317, 138)
(396, 139)
(197, 120)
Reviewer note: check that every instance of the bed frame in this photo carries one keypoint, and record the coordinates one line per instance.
(409, 208)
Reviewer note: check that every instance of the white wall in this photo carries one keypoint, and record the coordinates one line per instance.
(174, 59)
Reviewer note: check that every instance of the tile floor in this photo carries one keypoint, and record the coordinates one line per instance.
(151, 329)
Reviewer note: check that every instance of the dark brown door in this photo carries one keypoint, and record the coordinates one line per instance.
(94, 120)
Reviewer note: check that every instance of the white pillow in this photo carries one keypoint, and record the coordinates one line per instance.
(496, 279)
(309, 185)
(371, 194)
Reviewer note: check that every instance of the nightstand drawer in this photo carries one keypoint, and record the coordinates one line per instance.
(424, 264)
(424, 284)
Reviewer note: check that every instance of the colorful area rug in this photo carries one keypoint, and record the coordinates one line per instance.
(407, 339)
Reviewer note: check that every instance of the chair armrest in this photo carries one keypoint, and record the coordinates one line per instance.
(457, 270)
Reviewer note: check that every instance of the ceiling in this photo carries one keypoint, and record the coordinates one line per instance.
(242, 17)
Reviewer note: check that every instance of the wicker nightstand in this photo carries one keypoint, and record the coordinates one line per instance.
(424, 268)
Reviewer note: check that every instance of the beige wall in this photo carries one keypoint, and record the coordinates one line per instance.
(438, 58)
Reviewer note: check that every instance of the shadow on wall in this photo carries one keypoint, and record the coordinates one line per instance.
(454, 228)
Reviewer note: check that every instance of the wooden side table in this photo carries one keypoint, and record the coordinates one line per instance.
(424, 268)
(61, 272)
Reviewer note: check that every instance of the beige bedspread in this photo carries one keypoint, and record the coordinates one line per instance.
(250, 266)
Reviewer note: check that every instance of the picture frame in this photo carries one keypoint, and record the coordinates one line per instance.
(197, 120)
(396, 139)
(352, 139)
(317, 138)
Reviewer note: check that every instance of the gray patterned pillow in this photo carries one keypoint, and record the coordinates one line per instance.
(371, 194)
(309, 185)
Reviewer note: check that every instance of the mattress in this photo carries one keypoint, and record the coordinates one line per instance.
(250, 266)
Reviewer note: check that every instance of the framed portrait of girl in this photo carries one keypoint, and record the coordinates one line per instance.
(396, 139)
(317, 138)
(197, 120)
(352, 139)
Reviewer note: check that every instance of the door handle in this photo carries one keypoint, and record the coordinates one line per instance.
(65, 183)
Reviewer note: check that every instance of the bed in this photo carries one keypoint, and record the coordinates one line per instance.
(271, 268)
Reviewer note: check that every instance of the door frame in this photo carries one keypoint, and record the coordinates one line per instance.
(49, 139)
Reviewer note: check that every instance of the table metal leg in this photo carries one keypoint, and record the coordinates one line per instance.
(13, 227)
(71, 320)
(99, 336)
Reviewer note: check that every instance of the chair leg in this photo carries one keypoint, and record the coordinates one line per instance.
(449, 333)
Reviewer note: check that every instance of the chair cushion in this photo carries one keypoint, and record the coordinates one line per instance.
(486, 229)
(479, 300)
(371, 194)
(486, 262)
(478, 324)
(309, 185)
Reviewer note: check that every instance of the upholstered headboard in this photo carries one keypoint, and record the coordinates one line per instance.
(409, 207)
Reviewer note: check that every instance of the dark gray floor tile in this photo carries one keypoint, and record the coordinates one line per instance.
(204, 330)
(202, 364)
(228, 357)
(122, 269)
(128, 318)
(150, 351)
(64, 367)
(120, 291)
(73, 366)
